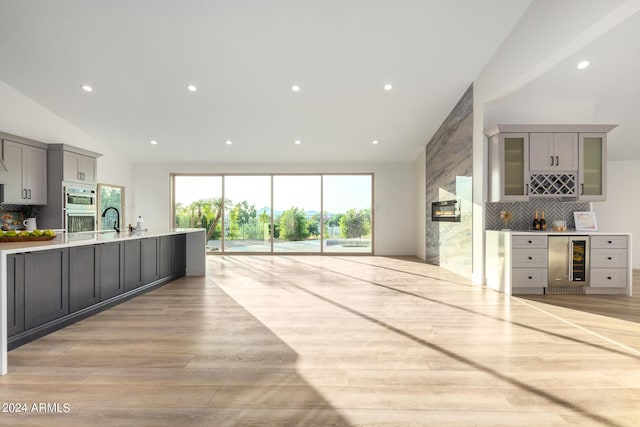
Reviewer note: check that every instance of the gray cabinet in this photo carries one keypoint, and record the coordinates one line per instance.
(84, 281)
(111, 269)
(79, 167)
(567, 161)
(553, 152)
(15, 294)
(179, 254)
(609, 262)
(141, 265)
(509, 167)
(593, 167)
(25, 181)
(46, 286)
(150, 258)
(166, 255)
(132, 264)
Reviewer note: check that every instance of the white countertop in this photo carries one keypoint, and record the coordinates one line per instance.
(559, 233)
(63, 240)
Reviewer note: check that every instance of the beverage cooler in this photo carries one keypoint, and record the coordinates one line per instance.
(569, 260)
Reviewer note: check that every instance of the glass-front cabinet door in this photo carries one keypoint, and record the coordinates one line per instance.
(515, 166)
(592, 151)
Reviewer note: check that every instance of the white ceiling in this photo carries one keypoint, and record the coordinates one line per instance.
(607, 92)
(244, 56)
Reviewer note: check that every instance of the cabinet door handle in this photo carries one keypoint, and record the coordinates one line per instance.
(609, 242)
(557, 161)
(608, 277)
(609, 258)
(29, 194)
(24, 193)
(527, 192)
(581, 189)
(530, 258)
(530, 241)
(551, 161)
(530, 277)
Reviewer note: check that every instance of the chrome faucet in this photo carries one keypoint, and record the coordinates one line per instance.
(116, 226)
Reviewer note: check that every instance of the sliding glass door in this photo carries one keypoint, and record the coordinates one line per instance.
(347, 213)
(198, 204)
(247, 218)
(278, 213)
(296, 213)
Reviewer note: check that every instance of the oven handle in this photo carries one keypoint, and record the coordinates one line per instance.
(91, 194)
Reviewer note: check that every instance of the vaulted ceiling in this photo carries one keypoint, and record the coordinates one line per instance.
(244, 57)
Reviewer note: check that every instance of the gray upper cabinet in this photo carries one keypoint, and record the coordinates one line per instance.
(79, 167)
(593, 167)
(25, 181)
(527, 161)
(553, 152)
(509, 167)
(72, 164)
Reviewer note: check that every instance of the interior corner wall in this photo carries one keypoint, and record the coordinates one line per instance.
(420, 179)
(449, 170)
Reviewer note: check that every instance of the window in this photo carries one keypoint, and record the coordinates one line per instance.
(247, 218)
(110, 196)
(296, 213)
(302, 213)
(198, 204)
(347, 213)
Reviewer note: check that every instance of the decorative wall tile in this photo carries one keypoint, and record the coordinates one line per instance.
(523, 212)
(449, 172)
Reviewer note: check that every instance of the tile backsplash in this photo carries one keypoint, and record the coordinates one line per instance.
(522, 212)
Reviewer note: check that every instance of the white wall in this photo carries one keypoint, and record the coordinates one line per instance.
(420, 178)
(394, 195)
(21, 116)
(620, 210)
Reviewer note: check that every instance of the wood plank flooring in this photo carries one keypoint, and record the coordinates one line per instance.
(312, 341)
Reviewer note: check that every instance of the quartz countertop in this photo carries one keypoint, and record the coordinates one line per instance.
(557, 233)
(63, 240)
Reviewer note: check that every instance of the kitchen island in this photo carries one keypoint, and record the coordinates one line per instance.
(46, 285)
(521, 262)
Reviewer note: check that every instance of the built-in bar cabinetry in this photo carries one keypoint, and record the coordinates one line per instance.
(25, 180)
(517, 263)
(565, 161)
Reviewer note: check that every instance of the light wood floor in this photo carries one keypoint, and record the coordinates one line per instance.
(306, 340)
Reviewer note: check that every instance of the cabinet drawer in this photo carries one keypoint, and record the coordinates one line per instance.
(529, 258)
(616, 242)
(608, 277)
(528, 277)
(608, 258)
(529, 241)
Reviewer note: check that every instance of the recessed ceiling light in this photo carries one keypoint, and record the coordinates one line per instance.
(192, 88)
(374, 142)
(295, 88)
(297, 142)
(87, 88)
(153, 142)
(388, 87)
(228, 142)
(582, 65)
